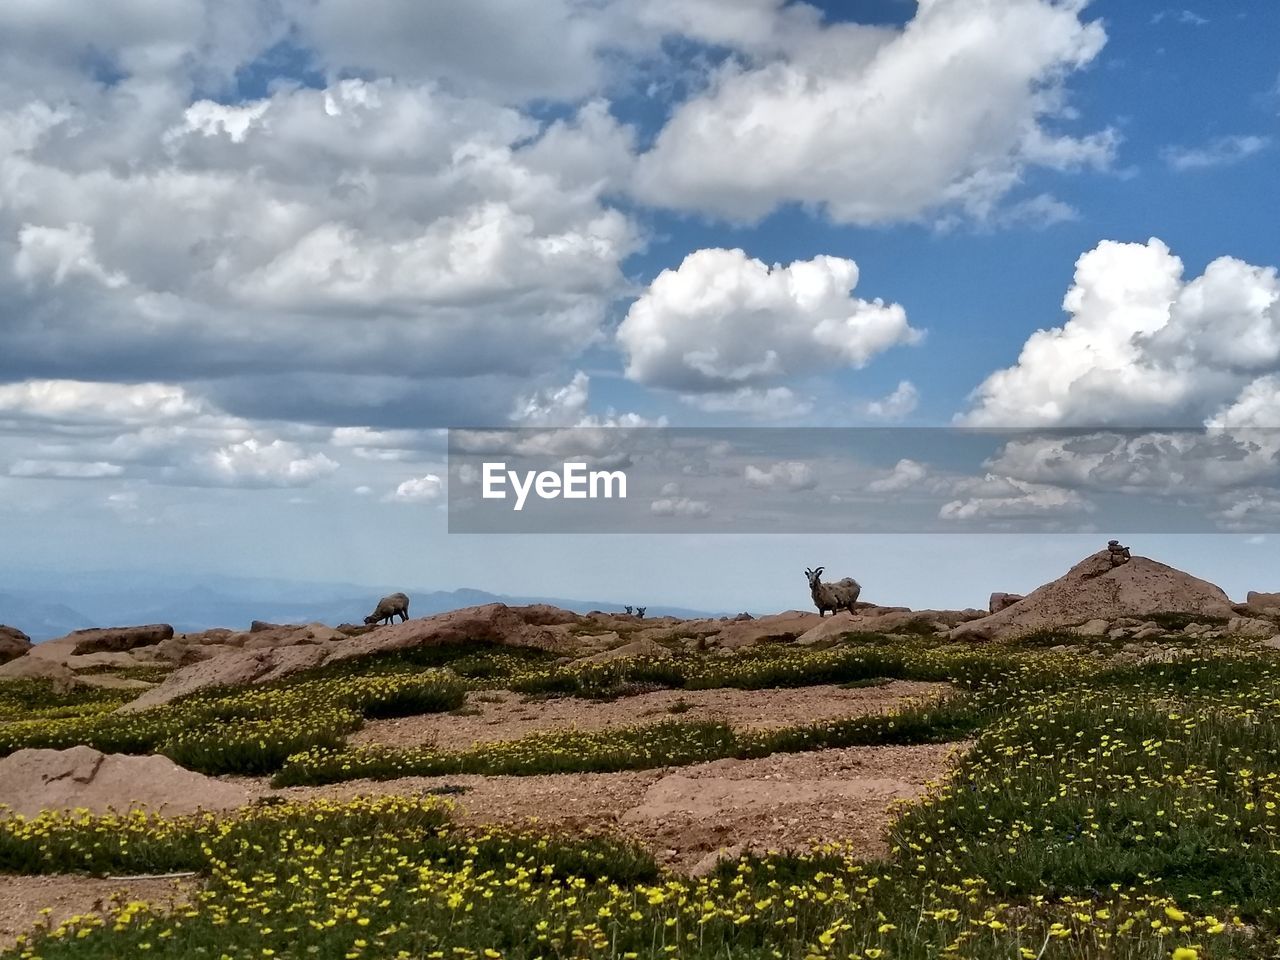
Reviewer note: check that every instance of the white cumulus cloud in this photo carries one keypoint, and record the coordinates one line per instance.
(723, 321)
(876, 124)
(1144, 346)
(417, 490)
(253, 463)
(680, 507)
(786, 475)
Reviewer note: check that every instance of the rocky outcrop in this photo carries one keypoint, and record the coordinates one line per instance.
(119, 638)
(259, 662)
(36, 780)
(1264, 604)
(1094, 589)
(999, 601)
(13, 643)
(887, 620)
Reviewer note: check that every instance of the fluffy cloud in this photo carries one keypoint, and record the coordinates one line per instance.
(819, 120)
(566, 406)
(80, 402)
(371, 228)
(253, 463)
(680, 507)
(158, 432)
(1163, 462)
(723, 321)
(417, 490)
(787, 475)
(902, 402)
(1001, 498)
(1145, 346)
(905, 474)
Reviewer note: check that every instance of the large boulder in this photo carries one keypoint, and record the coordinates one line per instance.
(1257, 602)
(99, 640)
(1094, 589)
(999, 601)
(13, 643)
(83, 778)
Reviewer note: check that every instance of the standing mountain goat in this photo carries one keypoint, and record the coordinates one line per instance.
(841, 595)
(389, 607)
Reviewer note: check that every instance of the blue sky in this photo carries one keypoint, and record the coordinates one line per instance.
(256, 256)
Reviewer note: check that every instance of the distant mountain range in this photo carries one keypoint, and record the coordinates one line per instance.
(97, 600)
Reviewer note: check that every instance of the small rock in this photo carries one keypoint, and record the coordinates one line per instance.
(1117, 633)
(1273, 643)
(1146, 632)
(1093, 628)
(707, 865)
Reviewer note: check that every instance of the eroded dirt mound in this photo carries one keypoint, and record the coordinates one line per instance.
(35, 780)
(1095, 590)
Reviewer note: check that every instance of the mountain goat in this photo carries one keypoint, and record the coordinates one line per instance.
(389, 607)
(841, 595)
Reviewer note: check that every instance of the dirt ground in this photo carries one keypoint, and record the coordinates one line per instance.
(23, 897)
(686, 814)
(501, 715)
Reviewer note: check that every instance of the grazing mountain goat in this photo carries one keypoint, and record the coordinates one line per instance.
(388, 608)
(841, 595)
